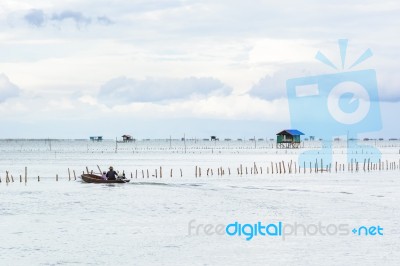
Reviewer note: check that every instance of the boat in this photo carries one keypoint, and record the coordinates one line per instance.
(91, 178)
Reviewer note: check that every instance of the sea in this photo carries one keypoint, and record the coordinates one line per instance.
(198, 202)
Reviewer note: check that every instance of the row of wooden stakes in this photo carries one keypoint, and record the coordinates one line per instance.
(281, 167)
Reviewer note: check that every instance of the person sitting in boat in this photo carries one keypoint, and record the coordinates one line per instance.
(104, 175)
(111, 175)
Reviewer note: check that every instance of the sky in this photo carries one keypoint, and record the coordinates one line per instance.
(155, 69)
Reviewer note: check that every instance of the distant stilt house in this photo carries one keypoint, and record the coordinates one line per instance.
(127, 138)
(214, 138)
(288, 139)
(96, 138)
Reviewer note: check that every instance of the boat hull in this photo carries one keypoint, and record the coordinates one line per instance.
(90, 178)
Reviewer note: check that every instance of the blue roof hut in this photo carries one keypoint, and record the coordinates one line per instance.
(288, 139)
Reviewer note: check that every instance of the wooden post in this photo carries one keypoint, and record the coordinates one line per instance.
(38, 178)
(131, 175)
(199, 172)
(171, 173)
(57, 177)
(229, 171)
(26, 174)
(322, 166)
(160, 172)
(12, 179)
(142, 173)
(147, 173)
(20, 178)
(69, 175)
(74, 174)
(181, 172)
(87, 170)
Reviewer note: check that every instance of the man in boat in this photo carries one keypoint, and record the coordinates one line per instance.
(111, 174)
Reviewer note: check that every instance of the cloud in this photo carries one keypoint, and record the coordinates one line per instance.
(78, 17)
(7, 89)
(272, 87)
(35, 17)
(124, 90)
(38, 18)
(104, 20)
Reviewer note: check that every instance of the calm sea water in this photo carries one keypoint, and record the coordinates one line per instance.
(146, 222)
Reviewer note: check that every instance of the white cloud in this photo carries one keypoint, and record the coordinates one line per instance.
(124, 90)
(7, 88)
(55, 48)
(35, 17)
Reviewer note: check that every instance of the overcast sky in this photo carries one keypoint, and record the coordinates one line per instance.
(70, 69)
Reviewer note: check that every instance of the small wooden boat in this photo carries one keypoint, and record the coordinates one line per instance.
(90, 178)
